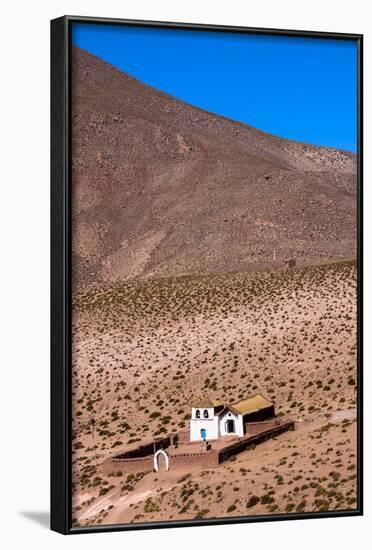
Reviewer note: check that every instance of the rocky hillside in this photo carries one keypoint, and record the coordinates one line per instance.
(161, 188)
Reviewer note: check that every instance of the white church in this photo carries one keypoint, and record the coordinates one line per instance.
(211, 419)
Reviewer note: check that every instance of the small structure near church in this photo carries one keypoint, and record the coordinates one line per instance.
(212, 420)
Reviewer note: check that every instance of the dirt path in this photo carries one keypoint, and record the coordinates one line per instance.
(146, 488)
(114, 499)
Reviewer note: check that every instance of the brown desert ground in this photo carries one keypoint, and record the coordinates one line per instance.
(182, 221)
(144, 351)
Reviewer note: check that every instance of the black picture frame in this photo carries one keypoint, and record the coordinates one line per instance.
(61, 513)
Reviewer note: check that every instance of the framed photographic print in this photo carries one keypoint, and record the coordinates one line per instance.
(206, 274)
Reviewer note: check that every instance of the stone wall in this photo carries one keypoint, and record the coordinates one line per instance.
(128, 465)
(184, 437)
(147, 449)
(141, 458)
(176, 461)
(194, 460)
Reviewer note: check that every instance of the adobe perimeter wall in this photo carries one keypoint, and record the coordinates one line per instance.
(195, 460)
(146, 449)
(183, 437)
(176, 461)
(256, 433)
(128, 465)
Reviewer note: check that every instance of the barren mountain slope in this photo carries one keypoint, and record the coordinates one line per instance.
(163, 188)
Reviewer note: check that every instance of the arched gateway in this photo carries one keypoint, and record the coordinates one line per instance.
(158, 453)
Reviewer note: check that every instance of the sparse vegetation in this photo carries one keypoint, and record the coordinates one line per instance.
(164, 193)
(138, 369)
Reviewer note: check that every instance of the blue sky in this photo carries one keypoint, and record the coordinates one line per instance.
(299, 88)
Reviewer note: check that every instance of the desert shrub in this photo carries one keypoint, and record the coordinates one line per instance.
(267, 499)
(252, 501)
(150, 506)
(105, 490)
(202, 513)
(301, 506)
(231, 508)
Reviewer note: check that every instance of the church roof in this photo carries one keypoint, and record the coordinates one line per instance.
(252, 404)
(207, 402)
